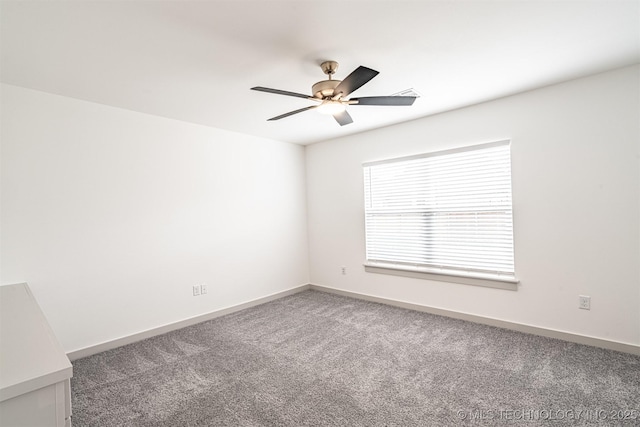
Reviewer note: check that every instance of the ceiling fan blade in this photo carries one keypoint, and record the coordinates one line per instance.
(291, 113)
(281, 92)
(343, 118)
(384, 100)
(355, 80)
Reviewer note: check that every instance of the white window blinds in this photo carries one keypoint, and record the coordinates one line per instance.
(445, 212)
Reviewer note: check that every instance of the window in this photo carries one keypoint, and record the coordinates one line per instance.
(446, 213)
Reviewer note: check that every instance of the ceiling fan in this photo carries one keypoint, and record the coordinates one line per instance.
(331, 95)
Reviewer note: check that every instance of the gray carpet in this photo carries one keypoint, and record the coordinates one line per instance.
(315, 359)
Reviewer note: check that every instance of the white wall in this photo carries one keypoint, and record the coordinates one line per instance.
(576, 189)
(111, 215)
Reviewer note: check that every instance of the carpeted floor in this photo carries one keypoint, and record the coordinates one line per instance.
(314, 359)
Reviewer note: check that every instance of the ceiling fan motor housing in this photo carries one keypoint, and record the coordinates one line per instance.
(324, 88)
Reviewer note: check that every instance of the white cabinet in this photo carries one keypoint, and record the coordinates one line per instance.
(35, 372)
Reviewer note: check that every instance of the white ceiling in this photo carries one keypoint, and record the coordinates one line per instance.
(196, 60)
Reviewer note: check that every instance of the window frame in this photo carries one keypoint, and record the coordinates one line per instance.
(499, 280)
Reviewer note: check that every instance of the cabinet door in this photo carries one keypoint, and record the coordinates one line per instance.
(41, 407)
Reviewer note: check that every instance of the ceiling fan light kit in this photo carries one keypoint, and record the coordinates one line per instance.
(331, 107)
(332, 94)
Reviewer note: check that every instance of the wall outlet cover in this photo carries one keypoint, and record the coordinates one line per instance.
(584, 302)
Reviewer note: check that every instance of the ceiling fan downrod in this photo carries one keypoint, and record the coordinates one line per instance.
(324, 89)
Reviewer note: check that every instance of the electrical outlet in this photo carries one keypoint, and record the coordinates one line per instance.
(203, 289)
(584, 302)
(196, 290)
(344, 270)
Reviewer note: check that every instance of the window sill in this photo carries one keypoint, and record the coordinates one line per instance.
(486, 280)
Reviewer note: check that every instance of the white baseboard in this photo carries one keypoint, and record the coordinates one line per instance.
(520, 327)
(534, 330)
(118, 342)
